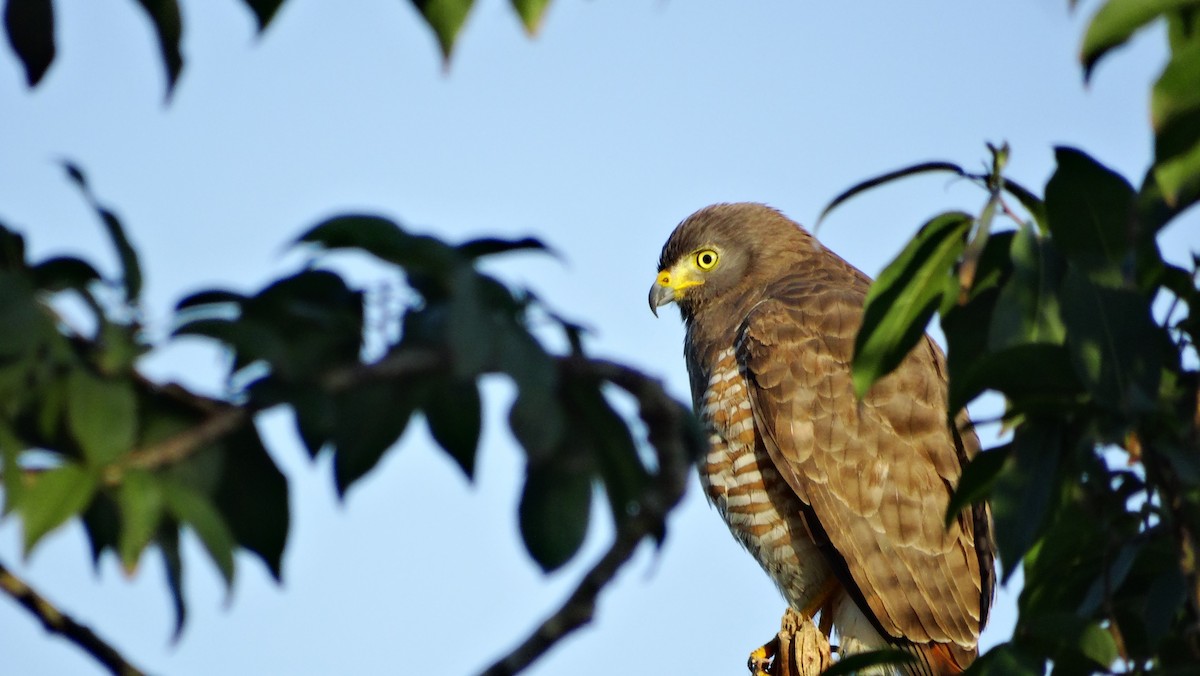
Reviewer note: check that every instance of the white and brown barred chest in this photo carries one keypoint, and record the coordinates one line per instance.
(740, 479)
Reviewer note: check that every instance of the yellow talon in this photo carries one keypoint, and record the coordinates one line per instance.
(762, 658)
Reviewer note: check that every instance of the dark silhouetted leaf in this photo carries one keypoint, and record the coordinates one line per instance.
(54, 497)
(168, 26)
(904, 298)
(905, 172)
(264, 11)
(1022, 491)
(26, 325)
(601, 433)
(1032, 203)
(63, 272)
(131, 269)
(1090, 210)
(168, 545)
(252, 497)
(489, 246)
(854, 664)
(196, 512)
(531, 13)
(554, 512)
(316, 417)
(1027, 310)
(210, 297)
(1036, 378)
(1115, 346)
(1116, 21)
(102, 415)
(446, 18)
(370, 418)
(1006, 659)
(977, 480)
(30, 27)
(454, 413)
(385, 240)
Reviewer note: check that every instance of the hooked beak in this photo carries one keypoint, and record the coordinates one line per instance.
(660, 295)
(670, 285)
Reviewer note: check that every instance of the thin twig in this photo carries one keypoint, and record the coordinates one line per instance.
(666, 422)
(57, 622)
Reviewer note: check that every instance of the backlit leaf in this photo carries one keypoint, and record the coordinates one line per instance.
(52, 498)
(1090, 210)
(140, 500)
(196, 512)
(905, 296)
(1116, 21)
(446, 18)
(531, 13)
(1027, 310)
(101, 415)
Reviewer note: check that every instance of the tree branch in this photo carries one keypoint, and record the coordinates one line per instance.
(667, 422)
(57, 622)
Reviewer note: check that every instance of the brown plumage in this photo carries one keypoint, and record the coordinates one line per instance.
(840, 500)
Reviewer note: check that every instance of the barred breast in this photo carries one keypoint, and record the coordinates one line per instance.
(761, 510)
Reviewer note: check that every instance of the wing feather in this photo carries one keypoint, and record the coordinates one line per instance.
(876, 473)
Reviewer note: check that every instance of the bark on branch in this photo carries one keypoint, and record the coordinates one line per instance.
(57, 622)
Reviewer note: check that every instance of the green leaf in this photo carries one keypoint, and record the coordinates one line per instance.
(454, 414)
(858, 663)
(1175, 93)
(63, 272)
(1027, 310)
(1177, 161)
(371, 417)
(101, 415)
(168, 26)
(196, 512)
(904, 172)
(446, 18)
(905, 296)
(53, 497)
(140, 500)
(1032, 203)
(977, 480)
(130, 267)
(531, 13)
(554, 512)
(1022, 491)
(1116, 21)
(30, 27)
(264, 11)
(1115, 346)
(1090, 210)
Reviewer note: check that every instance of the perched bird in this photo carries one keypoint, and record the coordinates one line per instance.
(841, 500)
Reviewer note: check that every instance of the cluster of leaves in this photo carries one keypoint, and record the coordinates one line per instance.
(84, 435)
(1090, 335)
(29, 25)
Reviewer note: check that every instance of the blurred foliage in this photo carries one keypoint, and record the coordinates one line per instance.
(1090, 335)
(1072, 314)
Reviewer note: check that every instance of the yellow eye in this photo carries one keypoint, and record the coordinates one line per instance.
(707, 259)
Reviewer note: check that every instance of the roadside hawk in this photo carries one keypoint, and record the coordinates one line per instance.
(842, 501)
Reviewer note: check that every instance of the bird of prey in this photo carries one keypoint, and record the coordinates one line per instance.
(841, 500)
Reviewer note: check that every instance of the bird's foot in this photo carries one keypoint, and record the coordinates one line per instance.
(799, 649)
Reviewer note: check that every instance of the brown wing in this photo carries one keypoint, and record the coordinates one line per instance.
(878, 473)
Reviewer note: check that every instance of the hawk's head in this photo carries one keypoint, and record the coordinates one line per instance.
(721, 249)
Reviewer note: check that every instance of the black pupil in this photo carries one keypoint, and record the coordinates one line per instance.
(706, 259)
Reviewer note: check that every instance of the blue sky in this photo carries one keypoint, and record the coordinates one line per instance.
(598, 136)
